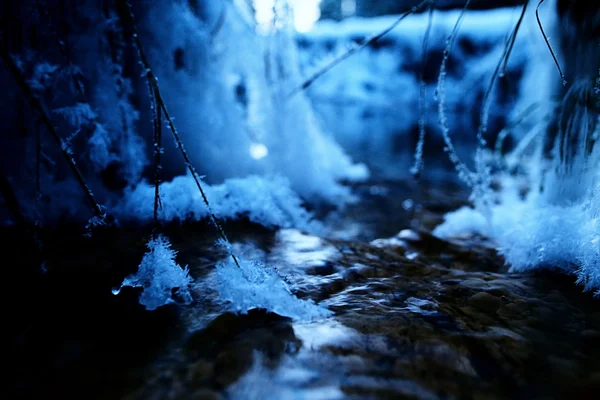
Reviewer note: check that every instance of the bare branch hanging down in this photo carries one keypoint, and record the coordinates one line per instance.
(482, 173)
(153, 82)
(537, 16)
(157, 124)
(418, 165)
(462, 169)
(513, 36)
(502, 65)
(357, 48)
(37, 107)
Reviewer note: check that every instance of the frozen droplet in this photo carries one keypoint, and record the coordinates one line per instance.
(116, 290)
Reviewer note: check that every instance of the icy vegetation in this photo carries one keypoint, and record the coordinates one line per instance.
(160, 277)
(252, 285)
(555, 221)
(265, 200)
(532, 233)
(230, 103)
(236, 95)
(258, 127)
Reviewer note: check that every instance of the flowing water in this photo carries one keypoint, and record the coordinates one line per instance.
(413, 316)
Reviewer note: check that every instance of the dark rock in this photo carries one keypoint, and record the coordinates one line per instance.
(485, 302)
(232, 340)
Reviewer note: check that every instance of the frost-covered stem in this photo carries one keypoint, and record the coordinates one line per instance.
(37, 106)
(485, 107)
(513, 37)
(192, 170)
(418, 165)
(502, 65)
(537, 16)
(357, 48)
(157, 151)
(463, 171)
(153, 82)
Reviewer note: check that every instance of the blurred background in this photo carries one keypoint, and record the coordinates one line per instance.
(370, 102)
(338, 9)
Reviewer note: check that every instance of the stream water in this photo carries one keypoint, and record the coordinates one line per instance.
(412, 316)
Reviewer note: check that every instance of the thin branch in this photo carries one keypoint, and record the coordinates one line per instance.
(462, 169)
(37, 106)
(537, 16)
(357, 48)
(153, 82)
(418, 165)
(502, 64)
(482, 174)
(157, 151)
(513, 37)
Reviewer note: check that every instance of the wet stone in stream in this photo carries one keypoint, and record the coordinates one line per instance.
(415, 317)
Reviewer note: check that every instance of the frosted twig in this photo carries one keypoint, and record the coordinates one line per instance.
(463, 171)
(37, 107)
(153, 82)
(513, 36)
(485, 107)
(157, 125)
(418, 165)
(537, 16)
(364, 43)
